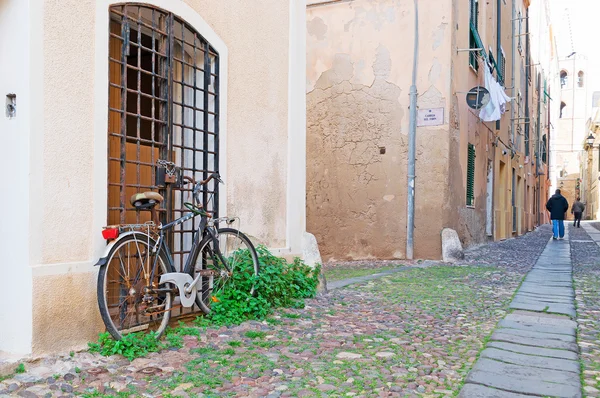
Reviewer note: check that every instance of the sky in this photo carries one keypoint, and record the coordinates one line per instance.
(584, 20)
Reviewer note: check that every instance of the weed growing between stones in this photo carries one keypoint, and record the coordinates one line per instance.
(131, 346)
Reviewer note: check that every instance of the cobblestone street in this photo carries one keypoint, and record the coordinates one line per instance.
(415, 332)
(586, 276)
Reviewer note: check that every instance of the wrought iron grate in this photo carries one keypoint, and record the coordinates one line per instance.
(163, 104)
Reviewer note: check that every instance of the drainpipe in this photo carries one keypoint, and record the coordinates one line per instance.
(412, 136)
(515, 91)
(537, 147)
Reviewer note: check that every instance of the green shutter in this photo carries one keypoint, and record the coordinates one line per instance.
(471, 176)
(474, 40)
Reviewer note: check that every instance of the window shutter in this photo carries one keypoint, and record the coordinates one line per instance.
(471, 176)
(473, 34)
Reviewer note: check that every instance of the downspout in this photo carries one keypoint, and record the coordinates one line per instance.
(412, 136)
(512, 77)
(498, 125)
(537, 149)
(527, 148)
(527, 77)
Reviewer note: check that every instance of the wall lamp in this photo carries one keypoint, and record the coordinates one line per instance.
(590, 140)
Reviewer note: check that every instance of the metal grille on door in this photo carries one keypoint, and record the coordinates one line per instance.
(163, 104)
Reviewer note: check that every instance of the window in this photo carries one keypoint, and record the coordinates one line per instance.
(580, 77)
(564, 79)
(562, 109)
(544, 148)
(471, 176)
(474, 34)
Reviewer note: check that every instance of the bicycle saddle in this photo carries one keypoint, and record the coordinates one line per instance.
(146, 200)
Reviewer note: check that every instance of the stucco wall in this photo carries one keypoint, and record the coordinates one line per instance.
(256, 160)
(15, 295)
(359, 76)
(257, 37)
(257, 120)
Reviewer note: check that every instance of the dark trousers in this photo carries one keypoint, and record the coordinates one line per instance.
(577, 221)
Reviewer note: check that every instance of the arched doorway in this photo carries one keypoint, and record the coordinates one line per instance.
(163, 104)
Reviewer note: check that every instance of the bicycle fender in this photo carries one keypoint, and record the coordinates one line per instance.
(102, 260)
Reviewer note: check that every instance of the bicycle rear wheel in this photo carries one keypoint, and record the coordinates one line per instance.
(239, 271)
(125, 303)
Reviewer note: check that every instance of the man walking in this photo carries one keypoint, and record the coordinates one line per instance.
(557, 206)
(577, 211)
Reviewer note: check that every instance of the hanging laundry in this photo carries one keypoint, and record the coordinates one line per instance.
(497, 105)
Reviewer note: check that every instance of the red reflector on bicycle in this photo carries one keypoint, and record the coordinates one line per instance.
(110, 233)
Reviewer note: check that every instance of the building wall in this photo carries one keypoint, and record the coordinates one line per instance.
(572, 129)
(590, 170)
(357, 121)
(354, 192)
(260, 137)
(500, 149)
(16, 78)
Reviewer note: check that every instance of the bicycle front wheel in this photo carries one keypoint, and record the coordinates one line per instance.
(127, 297)
(232, 263)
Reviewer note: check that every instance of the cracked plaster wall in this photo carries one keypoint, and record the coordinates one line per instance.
(359, 67)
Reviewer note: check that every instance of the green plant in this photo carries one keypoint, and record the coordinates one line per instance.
(77, 370)
(20, 368)
(131, 346)
(228, 351)
(279, 284)
(235, 343)
(253, 334)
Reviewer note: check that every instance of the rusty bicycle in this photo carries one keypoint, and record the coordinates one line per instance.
(137, 282)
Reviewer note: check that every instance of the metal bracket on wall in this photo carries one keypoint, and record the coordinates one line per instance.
(11, 105)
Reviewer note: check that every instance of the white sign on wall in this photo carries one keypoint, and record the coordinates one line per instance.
(430, 117)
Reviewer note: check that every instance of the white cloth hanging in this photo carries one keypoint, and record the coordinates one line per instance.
(497, 105)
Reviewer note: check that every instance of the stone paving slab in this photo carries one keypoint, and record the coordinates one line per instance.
(533, 342)
(509, 324)
(543, 307)
(530, 350)
(526, 372)
(531, 297)
(545, 298)
(533, 352)
(530, 288)
(523, 385)
(542, 319)
(538, 276)
(531, 360)
(564, 277)
(538, 335)
(479, 391)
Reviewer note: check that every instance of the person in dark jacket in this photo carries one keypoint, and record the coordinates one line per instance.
(557, 206)
(577, 211)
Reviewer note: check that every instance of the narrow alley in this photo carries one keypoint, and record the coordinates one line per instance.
(416, 331)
